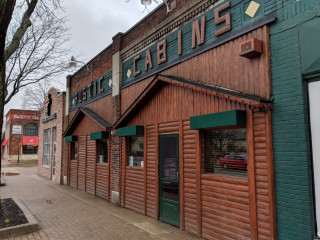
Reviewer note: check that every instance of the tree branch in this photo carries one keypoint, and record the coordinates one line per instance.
(25, 23)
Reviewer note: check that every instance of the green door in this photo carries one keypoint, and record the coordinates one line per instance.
(169, 179)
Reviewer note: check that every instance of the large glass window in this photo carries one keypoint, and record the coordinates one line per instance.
(29, 149)
(135, 146)
(46, 147)
(74, 150)
(30, 129)
(224, 151)
(102, 150)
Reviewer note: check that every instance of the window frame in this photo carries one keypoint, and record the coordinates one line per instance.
(214, 167)
(74, 146)
(106, 155)
(46, 147)
(30, 131)
(128, 149)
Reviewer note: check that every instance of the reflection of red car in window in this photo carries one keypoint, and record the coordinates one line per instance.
(234, 161)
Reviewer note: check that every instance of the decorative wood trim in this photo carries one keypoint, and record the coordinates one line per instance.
(198, 183)
(251, 176)
(157, 169)
(271, 188)
(145, 172)
(181, 173)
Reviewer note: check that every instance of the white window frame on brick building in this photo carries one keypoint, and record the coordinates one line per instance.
(46, 147)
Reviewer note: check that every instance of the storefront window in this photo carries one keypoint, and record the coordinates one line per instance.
(29, 149)
(30, 129)
(102, 150)
(74, 150)
(46, 147)
(224, 151)
(135, 146)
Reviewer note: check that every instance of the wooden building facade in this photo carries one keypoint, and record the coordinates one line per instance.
(176, 123)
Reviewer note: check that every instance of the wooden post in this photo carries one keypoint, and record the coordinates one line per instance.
(198, 183)
(157, 168)
(181, 172)
(251, 176)
(145, 171)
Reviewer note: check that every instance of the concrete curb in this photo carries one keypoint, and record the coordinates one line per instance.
(29, 227)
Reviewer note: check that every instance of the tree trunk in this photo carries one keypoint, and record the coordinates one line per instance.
(6, 11)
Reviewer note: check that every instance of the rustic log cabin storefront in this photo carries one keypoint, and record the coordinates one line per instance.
(184, 109)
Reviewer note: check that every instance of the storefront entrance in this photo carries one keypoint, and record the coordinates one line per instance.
(169, 179)
(314, 100)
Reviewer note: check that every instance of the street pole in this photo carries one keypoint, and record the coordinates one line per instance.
(18, 151)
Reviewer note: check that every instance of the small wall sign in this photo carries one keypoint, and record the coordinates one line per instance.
(16, 129)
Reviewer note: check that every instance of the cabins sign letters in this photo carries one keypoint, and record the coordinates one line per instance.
(227, 20)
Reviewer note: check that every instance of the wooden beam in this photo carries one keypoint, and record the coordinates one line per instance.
(251, 176)
(157, 169)
(145, 172)
(198, 183)
(181, 171)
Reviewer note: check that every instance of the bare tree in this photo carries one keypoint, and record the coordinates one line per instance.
(32, 38)
(34, 96)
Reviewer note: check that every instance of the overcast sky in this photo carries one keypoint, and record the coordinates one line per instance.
(92, 25)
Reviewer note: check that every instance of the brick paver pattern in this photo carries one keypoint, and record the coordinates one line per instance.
(61, 216)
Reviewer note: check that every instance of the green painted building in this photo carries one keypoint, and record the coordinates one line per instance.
(295, 68)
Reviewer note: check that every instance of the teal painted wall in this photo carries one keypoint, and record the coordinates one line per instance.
(292, 162)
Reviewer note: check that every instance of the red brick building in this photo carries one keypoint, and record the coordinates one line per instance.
(51, 144)
(21, 135)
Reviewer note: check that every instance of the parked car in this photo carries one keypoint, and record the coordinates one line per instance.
(234, 161)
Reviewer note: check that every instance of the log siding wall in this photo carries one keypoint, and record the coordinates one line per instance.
(213, 206)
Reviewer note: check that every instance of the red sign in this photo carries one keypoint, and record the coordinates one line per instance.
(5, 142)
(22, 116)
(30, 140)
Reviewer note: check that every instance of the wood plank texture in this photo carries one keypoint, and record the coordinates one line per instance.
(134, 188)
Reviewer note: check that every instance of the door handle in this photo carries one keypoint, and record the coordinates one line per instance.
(177, 175)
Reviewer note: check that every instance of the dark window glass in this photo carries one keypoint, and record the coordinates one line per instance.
(135, 146)
(224, 151)
(74, 150)
(29, 149)
(30, 129)
(102, 150)
(46, 147)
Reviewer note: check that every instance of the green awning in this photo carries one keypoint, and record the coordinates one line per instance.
(98, 135)
(70, 138)
(131, 131)
(220, 119)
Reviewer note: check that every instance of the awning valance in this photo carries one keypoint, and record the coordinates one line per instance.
(220, 119)
(70, 138)
(131, 131)
(30, 140)
(5, 142)
(98, 135)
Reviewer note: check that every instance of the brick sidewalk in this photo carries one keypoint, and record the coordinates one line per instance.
(67, 213)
